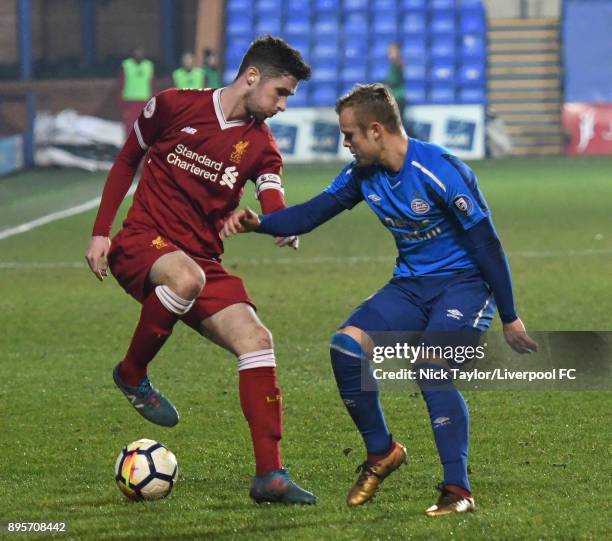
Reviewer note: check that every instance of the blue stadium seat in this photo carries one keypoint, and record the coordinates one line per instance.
(378, 71)
(239, 6)
(414, 23)
(414, 48)
(325, 26)
(228, 75)
(324, 74)
(353, 73)
(385, 24)
(412, 5)
(323, 95)
(235, 49)
(346, 87)
(296, 25)
(268, 6)
(472, 21)
(442, 4)
(442, 23)
(383, 5)
(472, 74)
(378, 49)
(302, 44)
(239, 24)
(470, 4)
(356, 51)
(443, 48)
(300, 99)
(441, 94)
(355, 5)
(468, 94)
(324, 48)
(328, 6)
(415, 72)
(268, 25)
(472, 46)
(415, 94)
(355, 25)
(298, 8)
(442, 73)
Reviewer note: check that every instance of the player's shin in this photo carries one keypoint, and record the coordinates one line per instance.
(349, 363)
(160, 311)
(260, 399)
(449, 417)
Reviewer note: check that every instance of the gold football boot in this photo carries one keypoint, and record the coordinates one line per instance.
(451, 502)
(372, 475)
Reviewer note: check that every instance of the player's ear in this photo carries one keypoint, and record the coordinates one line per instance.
(376, 128)
(252, 75)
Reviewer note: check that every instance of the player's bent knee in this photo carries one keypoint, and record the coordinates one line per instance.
(345, 348)
(188, 281)
(262, 337)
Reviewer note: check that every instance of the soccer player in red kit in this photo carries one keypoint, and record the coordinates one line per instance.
(200, 148)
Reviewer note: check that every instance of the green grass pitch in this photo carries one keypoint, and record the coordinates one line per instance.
(540, 461)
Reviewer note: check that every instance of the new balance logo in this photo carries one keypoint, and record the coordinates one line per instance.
(189, 130)
(374, 198)
(454, 313)
(230, 176)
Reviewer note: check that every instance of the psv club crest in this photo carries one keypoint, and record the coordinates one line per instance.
(239, 149)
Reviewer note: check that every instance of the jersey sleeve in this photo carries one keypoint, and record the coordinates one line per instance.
(154, 118)
(345, 187)
(455, 186)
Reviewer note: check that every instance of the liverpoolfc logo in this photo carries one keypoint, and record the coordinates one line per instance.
(239, 149)
(159, 243)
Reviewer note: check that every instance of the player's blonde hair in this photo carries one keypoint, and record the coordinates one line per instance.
(372, 103)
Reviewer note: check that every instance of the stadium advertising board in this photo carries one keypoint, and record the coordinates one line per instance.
(589, 127)
(313, 135)
(11, 154)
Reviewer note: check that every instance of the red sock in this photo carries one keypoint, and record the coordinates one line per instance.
(154, 328)
(373, 459)
(261, 403)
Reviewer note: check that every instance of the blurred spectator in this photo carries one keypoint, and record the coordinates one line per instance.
(395, 77)
(136, 86)
(188, 75)
(212, 76)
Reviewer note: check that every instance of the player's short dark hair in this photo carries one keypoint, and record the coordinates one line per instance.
(274, 57)
(372, 103)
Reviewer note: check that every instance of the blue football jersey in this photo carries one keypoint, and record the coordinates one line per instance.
(426, 206)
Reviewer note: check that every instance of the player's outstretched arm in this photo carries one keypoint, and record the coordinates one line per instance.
(487, 250)
(295, 220)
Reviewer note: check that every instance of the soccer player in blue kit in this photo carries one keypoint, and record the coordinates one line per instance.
(450, 274)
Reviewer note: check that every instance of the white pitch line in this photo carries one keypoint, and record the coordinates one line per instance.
(54, 216)
(317, 260)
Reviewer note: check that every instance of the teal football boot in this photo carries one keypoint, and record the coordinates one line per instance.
(148, 401)
(278, 487)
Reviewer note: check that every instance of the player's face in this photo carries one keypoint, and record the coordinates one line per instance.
(361, 143)
(269, 95)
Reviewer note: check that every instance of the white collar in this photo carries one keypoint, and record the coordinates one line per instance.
(224, 124)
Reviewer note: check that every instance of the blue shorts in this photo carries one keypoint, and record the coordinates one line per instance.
(460, 304)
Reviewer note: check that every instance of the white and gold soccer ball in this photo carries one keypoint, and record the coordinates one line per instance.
(146, 470)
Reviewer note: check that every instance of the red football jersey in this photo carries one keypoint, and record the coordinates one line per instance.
(196, 166)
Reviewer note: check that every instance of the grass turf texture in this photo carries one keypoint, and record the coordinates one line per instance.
(539, 460)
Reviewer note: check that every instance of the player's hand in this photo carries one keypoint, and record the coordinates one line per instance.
(96, 256)
(517, 337)
(242, 221)
(293, 242)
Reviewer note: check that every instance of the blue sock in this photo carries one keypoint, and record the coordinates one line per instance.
(450, 421)
(348, 360)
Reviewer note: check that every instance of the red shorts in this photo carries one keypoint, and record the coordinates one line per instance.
(132, 254)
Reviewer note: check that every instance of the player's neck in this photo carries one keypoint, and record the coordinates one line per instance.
(232, 104)
(394, 152)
